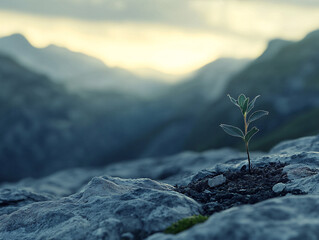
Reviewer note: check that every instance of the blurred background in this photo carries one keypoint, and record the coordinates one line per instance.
(85, 83)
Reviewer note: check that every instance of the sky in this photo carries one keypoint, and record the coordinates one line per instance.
(171, 36)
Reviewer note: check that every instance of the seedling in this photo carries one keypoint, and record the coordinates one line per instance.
(245, 107)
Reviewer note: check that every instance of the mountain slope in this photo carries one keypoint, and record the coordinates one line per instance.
(78, 71)
(210, 81)
(288, 81)
(174, 113)
(44, 127)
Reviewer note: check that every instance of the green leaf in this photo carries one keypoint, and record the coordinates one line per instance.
(233, 100)
(252, 104)
(241, 100)
(251, 133)
(256, 115)
(245, 106)
(233, 131)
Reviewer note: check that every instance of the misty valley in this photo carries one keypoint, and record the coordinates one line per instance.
(90, 151)
(55, 115)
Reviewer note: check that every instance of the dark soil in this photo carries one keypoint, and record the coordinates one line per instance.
(240, 187)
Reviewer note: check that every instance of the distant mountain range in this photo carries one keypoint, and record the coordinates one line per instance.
(44, 126)
(179, 107)
(76, 70)
(286, 76)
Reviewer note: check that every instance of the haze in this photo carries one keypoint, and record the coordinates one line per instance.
(173, 37)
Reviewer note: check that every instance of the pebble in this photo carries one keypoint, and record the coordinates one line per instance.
(279, 187)
(216, 181)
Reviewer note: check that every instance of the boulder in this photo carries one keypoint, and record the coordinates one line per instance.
(106, 208)
(12, 199)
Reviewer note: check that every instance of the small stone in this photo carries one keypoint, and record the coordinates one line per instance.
(279, 187)
(243, 168)
(216, 181)
(127, 236)
(200, 175)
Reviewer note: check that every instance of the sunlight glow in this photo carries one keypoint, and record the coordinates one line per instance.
(230, 32)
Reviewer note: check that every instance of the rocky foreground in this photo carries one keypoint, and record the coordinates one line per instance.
(140, 199)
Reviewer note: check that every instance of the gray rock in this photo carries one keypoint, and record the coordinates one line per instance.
(200, 175)
(60, 184)
(216, 181)
(287, 218)
(114, 208)
(297, 145)
(13, 199)
(178, 169)
(279, 187)
(106, 208)
(127, 236)
(183, 168)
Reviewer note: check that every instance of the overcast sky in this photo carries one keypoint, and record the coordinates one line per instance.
(172, 36)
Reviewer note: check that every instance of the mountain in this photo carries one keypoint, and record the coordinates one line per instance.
(209, 82)
(158, 75)
(34, 114)
(273, 47)
(76, 70)
(173, 114)
(286, 75)
(44, 127)
(287, 78)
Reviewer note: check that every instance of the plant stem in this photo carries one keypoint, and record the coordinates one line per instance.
(246, 143)
(247, 150)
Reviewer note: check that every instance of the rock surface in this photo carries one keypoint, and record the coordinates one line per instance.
(287, 218)
(297, 145)
(177, 169)
(13, 199)
(64, 206)
(283, 218)
(105, 209)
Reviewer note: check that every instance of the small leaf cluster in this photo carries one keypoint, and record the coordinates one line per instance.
(185, 224)
(245, 106)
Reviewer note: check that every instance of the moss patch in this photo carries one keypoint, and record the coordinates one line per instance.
(185, 223)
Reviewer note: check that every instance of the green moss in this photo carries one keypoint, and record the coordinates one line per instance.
(185, 223)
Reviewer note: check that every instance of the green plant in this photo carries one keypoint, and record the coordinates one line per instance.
(185, 223)
(245, 107)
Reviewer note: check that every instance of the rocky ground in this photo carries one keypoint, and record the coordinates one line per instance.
(217, 192)
(90, 204)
